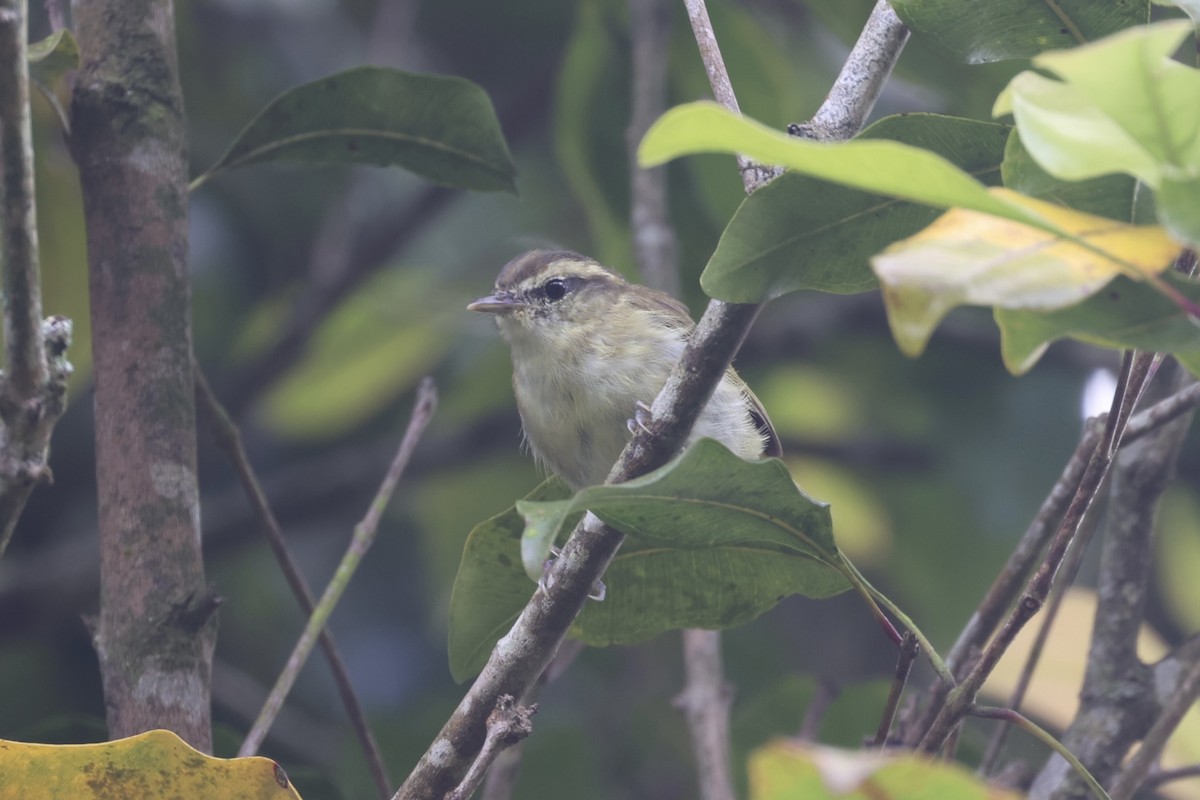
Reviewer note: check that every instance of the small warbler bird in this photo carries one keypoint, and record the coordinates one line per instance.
(588, 348)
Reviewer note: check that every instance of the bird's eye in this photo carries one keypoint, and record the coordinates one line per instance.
(555, 289)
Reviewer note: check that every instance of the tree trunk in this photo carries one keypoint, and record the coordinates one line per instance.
(156, 628)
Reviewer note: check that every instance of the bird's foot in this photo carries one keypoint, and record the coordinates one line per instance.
(599, 590)
(641, 418)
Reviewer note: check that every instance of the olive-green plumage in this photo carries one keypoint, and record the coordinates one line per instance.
(587, 346)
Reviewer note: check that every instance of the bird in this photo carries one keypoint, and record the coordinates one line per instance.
(589, 349)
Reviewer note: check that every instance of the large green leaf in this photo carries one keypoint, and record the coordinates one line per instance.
(803, 233)
(442, 128)
(980, 31)
(713, 541)
(490, 588)
(1126, 314)
(884, 167)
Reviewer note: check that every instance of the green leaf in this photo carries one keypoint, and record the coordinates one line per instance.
(490, 588)
(1178, 202)
(1121, 105)
(1113, 196)
(995, 30)
(883, 167)
(713, 541)
(442, 128)
(803, 233)
(1125, 314)
(376, 345)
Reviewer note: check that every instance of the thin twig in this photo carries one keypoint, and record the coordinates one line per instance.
(364, 535)
(1026, 724)
(1159, 777)
(229, 439)
(705, 702)
(907, 653)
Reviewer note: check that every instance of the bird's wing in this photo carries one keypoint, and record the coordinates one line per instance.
(772, 448)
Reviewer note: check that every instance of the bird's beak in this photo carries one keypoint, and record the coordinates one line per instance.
(498, 303)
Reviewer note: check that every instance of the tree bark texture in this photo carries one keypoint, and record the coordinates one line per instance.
(156, 628)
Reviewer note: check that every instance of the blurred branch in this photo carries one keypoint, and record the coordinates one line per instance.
(523, 653)
(1118, 696)
(654, 244)
(364, 536)
(1070, 571)
(229, 439)
(907, 653)
(33, 389)
(960, 699)
(705, 701)
(1174, 707)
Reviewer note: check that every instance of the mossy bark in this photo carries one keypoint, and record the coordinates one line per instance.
(155, 631)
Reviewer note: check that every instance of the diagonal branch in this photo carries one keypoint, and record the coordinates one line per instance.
(364, 536)
(229, 439)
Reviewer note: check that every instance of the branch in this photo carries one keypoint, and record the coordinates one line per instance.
(229, 439)
(959, 700)
(1118, 696)
(33, 390)
(705, 702)
(1174, 707)
(364, 536)
(861, 80)
(506, 725)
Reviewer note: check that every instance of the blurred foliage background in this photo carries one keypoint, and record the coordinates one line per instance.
(321, 297)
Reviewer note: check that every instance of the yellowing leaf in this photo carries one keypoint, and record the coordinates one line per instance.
(966, 257)
(789, 770)
(149, 766)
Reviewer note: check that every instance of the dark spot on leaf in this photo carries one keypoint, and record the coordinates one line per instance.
(1114, 295)
(281, 776)
(1063, 31)
(352, 146)
(504, 560)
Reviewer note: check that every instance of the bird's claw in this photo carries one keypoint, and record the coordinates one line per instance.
(598, 592)
(641, 418)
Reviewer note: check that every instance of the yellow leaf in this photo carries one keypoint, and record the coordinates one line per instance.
(969, 258)
(149, 766)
